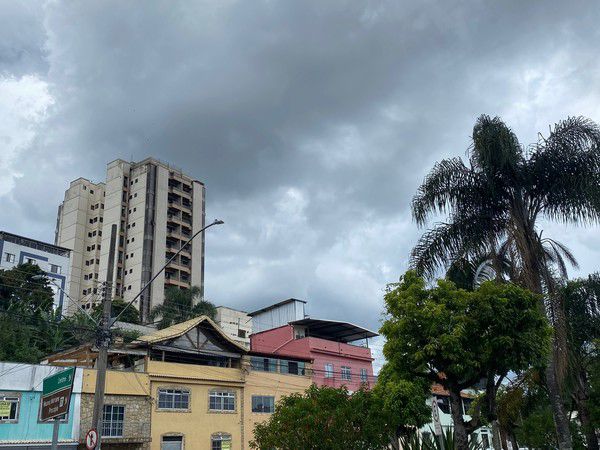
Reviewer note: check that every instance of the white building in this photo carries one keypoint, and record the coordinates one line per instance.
(236, 324)
(53, 260)
(156, 208)
(278, 314)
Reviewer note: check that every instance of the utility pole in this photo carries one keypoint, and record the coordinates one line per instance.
(103, 340)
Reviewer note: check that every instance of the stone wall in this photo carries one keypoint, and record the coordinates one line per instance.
(136, 422)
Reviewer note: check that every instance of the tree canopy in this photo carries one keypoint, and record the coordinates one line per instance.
(327, 418)
(457, 338)
(180, 305)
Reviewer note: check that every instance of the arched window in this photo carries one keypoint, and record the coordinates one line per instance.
(220, 441)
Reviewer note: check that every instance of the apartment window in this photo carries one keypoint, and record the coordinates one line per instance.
(90, 234)
(171, 443)
(84, 188)
(292, 367)
(101, 219)
(31, 261)
(173, 399)
(94, 233)
(91, 220)
(92, 207)
(102, 205)
(12, 408)
(91, 191)
(363, 375)
(9, 257)
(112, 421)
(328, 370)
(263, 364)
(263, 404)
(133, 225)
(220, 441)
(132, 239)
(346, 373)
(221, 401)
(97, 261)
(241, 333)
(87, 263)
(443, 403)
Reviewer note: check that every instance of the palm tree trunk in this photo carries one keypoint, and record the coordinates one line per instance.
(461, 437)
(527, 242)
(581, 399)
(496, 440)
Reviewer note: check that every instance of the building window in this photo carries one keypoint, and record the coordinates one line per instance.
(241, 333)
(328, 370)
(9, 257)
(171, 443)
(220, 441)
(363, 375)
(443, 403)
(221, 401)
(263, 404)
(31, 261)
(173, 399)
(346, 373)
(292, 367)
(112, 422)
(9, 407)
(263, 364)
(485, 441)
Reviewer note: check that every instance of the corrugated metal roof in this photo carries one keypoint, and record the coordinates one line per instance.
(334, 330)
(180, 329)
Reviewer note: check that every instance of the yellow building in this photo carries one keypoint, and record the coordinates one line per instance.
(207, 394)
(187, 387)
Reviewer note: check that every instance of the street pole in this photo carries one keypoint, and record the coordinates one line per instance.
(103, 340)
(55, 434)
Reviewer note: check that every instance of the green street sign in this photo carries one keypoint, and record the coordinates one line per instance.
(58, 381)
(56, 394)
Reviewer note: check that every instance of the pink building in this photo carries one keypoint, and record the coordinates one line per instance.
(327, 343)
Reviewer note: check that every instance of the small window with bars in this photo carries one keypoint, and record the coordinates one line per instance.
(363, 375)
(220, 441)
(9, 408)
(113, 420)
(346, 373)
(221, 401)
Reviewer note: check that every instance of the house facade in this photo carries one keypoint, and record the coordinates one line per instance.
(329, 345)
(189, 386)
(20, 396)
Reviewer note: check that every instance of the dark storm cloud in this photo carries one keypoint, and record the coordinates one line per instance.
(311, 123)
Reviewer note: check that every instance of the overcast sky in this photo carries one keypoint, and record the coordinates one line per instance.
(311, 123)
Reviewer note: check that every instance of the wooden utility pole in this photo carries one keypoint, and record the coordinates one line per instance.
(103, 340)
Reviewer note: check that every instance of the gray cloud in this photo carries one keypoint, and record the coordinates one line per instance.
(311, 123)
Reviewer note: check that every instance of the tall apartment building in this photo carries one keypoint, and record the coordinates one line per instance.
(156, 208)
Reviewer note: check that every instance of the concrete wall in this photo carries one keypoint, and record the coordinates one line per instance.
(232, 321)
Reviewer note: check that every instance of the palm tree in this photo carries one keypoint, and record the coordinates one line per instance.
(497, 199)
(181, 305)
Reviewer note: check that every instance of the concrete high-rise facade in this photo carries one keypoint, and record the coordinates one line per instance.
(156, 208)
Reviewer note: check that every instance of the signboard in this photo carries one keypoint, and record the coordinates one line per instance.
(5, 408)
(435, 413)
(56, 394)
(91, 439)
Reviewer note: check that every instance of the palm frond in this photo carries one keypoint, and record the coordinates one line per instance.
(448, 182)
(564, 172)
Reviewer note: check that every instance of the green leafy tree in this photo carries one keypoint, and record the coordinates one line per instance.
(180, 305)
(496, 202)
(326, 418)
(403, 399)
(457, 338)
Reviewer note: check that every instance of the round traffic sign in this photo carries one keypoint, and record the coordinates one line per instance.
(91, 439)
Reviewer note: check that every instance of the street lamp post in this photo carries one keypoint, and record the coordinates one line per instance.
(106, 323)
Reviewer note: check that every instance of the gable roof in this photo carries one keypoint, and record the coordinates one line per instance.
(180, 329)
